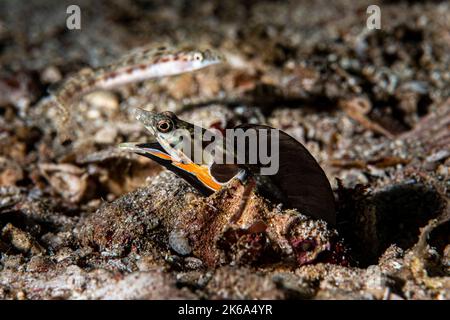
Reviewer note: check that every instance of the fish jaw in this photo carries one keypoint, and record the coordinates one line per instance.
(152, 150)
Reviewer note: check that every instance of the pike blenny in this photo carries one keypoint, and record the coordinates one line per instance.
(299, 182)
(138, 65)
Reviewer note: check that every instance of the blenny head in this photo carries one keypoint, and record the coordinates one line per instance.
(162, 125)
(169, 131)
(177, 61)
(171, 144)
(201, 58)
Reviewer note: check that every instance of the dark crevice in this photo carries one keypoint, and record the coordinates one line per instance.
(372, 223)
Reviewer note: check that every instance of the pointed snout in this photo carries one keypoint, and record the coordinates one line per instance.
(147, 118)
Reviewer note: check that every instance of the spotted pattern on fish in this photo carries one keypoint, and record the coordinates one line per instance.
(140, 64)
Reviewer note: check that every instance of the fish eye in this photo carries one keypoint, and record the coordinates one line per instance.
(164, 126)
(198, 56)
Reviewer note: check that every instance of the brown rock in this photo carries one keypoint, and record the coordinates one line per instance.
(21, 240)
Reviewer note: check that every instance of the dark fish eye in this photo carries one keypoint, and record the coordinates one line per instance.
(164, 126)
(198, 56)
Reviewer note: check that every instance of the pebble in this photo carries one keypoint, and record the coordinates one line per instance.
(103, 100)
(21, 240)
(106, 135)
(68, 180)
(21, 295)
(193, 263)
(76, 279)
(438, 156)
(51, 74)
(443, 170)
(179, 243)
(182, 86)
(146, 263)
(12, 262)
(93, 114)
(39, 264)
(10, 176)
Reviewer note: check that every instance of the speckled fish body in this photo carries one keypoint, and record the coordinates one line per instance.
(160, 62)
(137, 66)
